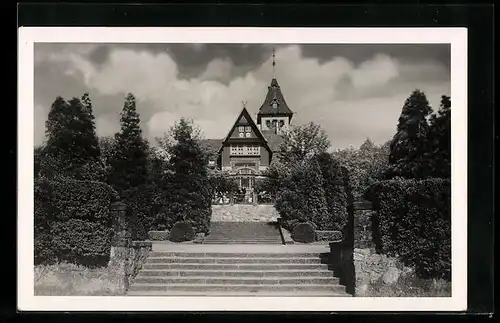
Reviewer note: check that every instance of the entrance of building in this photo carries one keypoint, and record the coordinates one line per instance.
(245, 178)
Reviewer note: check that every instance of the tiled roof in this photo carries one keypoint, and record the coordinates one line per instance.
(273, 140)
(274, 93)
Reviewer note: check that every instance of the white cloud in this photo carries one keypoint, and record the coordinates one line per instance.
(213, 100)
(218, 70)
(375, 72)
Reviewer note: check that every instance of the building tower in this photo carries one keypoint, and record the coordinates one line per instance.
(274, 114)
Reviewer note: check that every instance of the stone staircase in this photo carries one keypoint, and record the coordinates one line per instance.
(243, 233)
(241, 272)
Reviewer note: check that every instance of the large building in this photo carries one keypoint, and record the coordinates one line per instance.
(249, 146)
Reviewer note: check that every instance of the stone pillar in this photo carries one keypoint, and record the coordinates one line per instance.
(254, 197)
(120, 244)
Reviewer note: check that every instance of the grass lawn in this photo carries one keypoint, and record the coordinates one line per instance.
(410, 286)
(71, 280)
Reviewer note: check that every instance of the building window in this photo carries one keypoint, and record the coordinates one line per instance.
(281, 123)
(268, 124)
(248, 129)
(253, 150)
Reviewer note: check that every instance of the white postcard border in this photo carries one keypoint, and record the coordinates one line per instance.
(457, 37)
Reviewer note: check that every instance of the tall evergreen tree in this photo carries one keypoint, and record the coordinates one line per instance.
(409, 144)
(129, 161)
(88, 131)
(71, 140)
(440, 139)
(334, 191)
(58, 128)
(188, 190)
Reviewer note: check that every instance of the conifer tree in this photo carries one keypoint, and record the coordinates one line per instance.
(409, 144)
(440, 139)
(188, 190)
(88, 132)
(316, 202)
(72, 144)
(129, 160)
(334, 190)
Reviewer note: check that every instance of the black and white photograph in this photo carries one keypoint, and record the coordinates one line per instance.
(269, 172)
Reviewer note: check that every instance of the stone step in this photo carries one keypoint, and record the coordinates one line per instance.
(233, 267)
(237, 280)
(261, 293)
(234, 254)
(243, 238)
(237, 288)
(234, 273)
(242, 242)
(234, 260)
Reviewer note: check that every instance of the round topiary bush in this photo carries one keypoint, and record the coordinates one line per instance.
(314, 226)
(182, 231)
(303, 232)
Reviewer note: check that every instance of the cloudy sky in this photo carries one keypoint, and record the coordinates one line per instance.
(354, 91)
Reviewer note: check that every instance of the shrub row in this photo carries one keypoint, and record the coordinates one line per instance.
(72, 221)
(413, 222)
(317, 192)
(159, 208)
(141, 202)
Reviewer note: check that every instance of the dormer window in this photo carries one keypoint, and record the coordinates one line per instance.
(275, 105)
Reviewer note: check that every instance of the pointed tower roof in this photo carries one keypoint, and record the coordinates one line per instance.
(274, 95)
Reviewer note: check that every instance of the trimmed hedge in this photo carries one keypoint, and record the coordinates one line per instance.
(73, 221)
(182, 231)
(413, 222)
(316, 192)
(141, 200)
(336, 192)
(304, 232)
(301, 196)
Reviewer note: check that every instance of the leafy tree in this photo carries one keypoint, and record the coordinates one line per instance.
(366, 165)
(107, 147)
(302, 142)
(409, 145)
(440, 139)
(222, 185)
(129, 161)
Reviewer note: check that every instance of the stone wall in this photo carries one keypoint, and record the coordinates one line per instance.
(362, 225)
(126, 256)
(372, 268)
(244, 213)
(138, 253)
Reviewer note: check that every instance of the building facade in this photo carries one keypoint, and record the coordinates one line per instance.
(249, 146)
